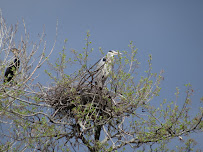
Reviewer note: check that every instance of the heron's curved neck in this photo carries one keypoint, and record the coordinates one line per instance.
(109, 56)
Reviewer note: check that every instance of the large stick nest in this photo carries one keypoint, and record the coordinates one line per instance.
(81, 100)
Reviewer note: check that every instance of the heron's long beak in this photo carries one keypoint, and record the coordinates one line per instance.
(117, 53)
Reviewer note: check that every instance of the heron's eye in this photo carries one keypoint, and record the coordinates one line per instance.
(111, 51)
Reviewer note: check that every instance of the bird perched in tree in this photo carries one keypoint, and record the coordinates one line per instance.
(104, 67)
(13, 67)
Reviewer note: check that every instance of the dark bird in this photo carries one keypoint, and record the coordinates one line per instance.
(13, 67)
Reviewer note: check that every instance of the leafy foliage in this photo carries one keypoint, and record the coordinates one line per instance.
(71, 113)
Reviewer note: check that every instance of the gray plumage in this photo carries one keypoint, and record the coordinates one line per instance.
(104, 67)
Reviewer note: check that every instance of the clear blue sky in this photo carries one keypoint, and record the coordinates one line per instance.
(172, 31)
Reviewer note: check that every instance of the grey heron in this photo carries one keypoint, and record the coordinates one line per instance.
(104, 67)
(13, 67)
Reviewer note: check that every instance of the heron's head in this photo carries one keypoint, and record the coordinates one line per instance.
(15, 51)
(111, 53)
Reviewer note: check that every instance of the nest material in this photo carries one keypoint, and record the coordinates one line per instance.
(80, 101)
